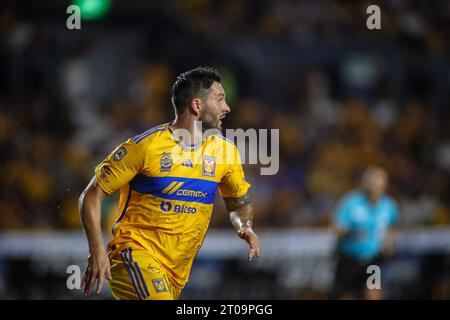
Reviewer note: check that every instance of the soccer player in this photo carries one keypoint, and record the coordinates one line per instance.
(167, 189)
(364, 224)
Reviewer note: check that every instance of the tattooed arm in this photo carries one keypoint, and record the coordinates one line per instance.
(241, 214)
(241, 217)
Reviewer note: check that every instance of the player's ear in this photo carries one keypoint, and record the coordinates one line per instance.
(196, 106)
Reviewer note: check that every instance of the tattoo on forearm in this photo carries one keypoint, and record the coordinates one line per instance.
(233, 204)
(241, 213)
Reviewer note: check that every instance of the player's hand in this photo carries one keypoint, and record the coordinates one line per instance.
(98, 267)
(253, 242)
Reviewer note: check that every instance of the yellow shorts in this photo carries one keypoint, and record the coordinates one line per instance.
(136, 275)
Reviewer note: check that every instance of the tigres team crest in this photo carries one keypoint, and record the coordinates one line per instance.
(209, 166)
(159, 285)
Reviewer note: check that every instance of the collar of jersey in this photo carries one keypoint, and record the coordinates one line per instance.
(195, 146)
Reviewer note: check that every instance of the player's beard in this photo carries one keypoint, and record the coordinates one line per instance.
(210, 120)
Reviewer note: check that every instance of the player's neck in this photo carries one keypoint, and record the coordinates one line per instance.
(188, 124)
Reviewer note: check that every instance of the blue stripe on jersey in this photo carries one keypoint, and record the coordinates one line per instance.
(221, 136)
(147, 134)
(138, 138)
(206, 190)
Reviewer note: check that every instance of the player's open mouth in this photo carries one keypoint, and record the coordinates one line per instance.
(220, 120)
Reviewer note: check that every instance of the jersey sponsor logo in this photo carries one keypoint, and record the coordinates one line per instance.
(184, 209)
(166, 162)
(174, 187)
(188, 163)
(166, 206)
(120, 153)
(191, 193)
(209, 166)
(159, 285)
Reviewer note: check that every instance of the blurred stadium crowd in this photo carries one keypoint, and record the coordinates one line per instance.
(342, 96)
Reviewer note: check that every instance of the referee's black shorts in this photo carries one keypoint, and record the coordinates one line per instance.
(351, 275)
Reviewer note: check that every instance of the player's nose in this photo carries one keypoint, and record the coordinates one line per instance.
(226, 108)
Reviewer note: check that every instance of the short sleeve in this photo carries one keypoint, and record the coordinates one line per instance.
(124, 162)
(233, 184)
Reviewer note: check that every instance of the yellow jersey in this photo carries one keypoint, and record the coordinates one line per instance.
(167, 193)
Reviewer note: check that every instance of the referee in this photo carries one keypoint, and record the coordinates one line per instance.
(364, 222)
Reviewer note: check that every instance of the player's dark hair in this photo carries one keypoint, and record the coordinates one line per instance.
(190, 84)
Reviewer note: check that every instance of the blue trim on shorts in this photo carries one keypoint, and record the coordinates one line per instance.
(135, 275)
(129, 273)
(139, 272)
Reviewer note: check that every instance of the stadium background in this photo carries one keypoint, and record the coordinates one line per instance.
(344, 97)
